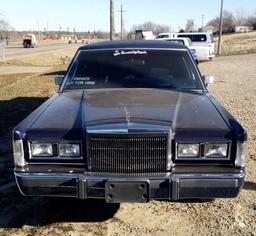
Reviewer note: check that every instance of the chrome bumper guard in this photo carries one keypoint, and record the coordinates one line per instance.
(169, 187)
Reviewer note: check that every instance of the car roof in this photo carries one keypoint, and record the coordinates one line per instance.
(166, 33)
(191, 33)
(180, 38)
(133, 44)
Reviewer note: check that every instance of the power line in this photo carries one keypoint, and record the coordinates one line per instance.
(202, 22)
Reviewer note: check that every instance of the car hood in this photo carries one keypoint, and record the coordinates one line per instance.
(184, 114)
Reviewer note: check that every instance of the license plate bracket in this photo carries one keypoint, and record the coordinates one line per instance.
(122, 191)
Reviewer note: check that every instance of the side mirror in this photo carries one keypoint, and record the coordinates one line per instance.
(208, 79)
(58, 79)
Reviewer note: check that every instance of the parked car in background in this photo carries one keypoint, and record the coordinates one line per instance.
(202, 42)
(183, 41)
(132, 121)
(166, 35)
(29, 41)
(142, 34)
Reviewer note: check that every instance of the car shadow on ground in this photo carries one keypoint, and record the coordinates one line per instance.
(15, 110)
(249, 185)
(56, 210)
(59, 72)
(40, 211)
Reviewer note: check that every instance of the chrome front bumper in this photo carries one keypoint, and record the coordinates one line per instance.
(169, 187)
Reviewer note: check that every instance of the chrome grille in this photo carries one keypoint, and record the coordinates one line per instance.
(127, 154)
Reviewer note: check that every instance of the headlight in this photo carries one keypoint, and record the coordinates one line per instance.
(188, 150)
(41, 150)
(241, 154)
(216, 150)
(69, 150)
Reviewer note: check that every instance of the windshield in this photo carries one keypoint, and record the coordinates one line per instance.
(162, 36)
(194, 37)
(165, 69)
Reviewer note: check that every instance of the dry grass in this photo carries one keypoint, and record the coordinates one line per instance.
(52, 58)
(6, 80)
(26, 85)
(45, 59)
(239, 43)
(231, 45)
(20, 94)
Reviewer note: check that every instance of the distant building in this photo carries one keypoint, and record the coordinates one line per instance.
(67, 37)
(52, 37)
(243, 29)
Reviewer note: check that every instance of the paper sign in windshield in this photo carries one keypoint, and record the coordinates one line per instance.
(81, 81)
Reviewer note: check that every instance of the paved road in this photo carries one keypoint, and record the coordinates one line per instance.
(4, 70)
(12, 52)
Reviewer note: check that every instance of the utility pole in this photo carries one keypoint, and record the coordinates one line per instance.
(3, 45)
(122, 22)
(220, 28)
(122, 11)
(202, 22)
(3, 53)
(112, 20)
(39, 33)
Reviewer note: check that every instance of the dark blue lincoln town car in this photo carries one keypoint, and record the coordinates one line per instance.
(132, 121)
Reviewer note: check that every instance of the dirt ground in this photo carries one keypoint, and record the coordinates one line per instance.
(235, 87)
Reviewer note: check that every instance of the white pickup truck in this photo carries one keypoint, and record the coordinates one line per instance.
(183, 41)
(201, 42)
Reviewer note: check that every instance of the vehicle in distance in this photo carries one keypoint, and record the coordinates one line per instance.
(29, 41)
(202, 42)
(132, 121)
(183, 41)
(144, 34)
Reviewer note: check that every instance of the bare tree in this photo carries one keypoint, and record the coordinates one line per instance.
(241, 16)
(190, 25)
(214, 23)
(151, 26)
(251, 21)
(229, 23)
(4, 29)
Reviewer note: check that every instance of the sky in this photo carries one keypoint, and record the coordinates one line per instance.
(89, 15)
